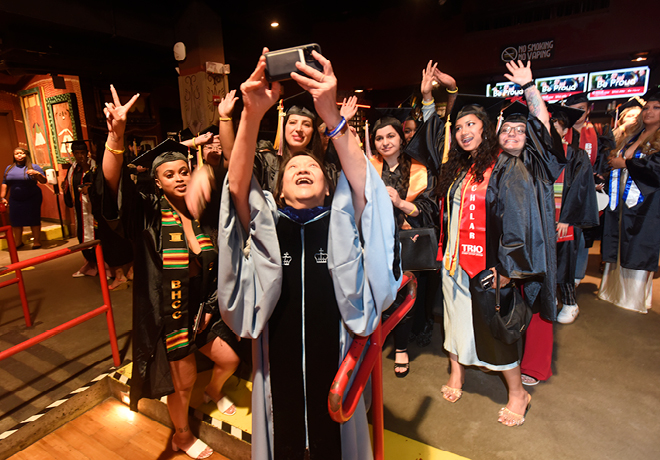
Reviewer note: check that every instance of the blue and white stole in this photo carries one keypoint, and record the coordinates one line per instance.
(631, 193)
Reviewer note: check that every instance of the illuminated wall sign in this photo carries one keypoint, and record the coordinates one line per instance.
(505, 89)
(618, 83)
(607, 84)
(528, 51)
(557, 88)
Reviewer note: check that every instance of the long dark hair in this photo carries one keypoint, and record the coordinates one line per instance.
(28, 159)
(277, 192)
(459, 160)
(404, 160)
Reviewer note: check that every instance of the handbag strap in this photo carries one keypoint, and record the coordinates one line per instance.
(497, 292)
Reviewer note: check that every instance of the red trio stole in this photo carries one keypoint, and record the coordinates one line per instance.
(471, 241)
(588, 140)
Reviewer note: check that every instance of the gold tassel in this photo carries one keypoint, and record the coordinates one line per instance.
(445, 152)
(279, 142)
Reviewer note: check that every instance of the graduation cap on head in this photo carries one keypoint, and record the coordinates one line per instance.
(78, 144)
(653, 94)
(634, 101)
(566, 115)
(466, 104)
(517, 112)
(164, 152)
(576, 98)
(400, 113)
(300, 104)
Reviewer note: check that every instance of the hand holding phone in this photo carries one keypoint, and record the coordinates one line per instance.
(280, 63)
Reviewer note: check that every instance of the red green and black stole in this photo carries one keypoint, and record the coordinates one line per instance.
(175, 279)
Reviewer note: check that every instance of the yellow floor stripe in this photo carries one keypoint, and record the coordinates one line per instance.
(399, 447)
(12, 272)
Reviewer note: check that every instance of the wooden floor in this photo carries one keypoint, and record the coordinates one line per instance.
(107, 432)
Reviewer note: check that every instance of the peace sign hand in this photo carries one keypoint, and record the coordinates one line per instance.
(115, 114)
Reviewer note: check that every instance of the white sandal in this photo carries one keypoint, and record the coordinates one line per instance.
(195, 450)
(223, 405)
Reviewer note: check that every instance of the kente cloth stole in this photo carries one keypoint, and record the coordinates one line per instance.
(632, 196)
(176, 278)
(470, 243)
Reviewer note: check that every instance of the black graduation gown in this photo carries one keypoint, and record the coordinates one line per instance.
(305, 324)
(428, 143)
(639, 238)
(139, 220)
(544, 158)
(514, 246)
(579, 208)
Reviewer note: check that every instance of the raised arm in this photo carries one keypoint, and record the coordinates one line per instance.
(226, 128)
(522, 75)
(257, 99)
(115, 116)
(323, 88)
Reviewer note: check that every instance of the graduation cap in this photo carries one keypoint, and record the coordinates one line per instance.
(78, 144)
(164, 152)
(653, 94)
(566, 115)
(400, 113)
(634, 101)
(300, 104)
(577, 98)
(516, 112)
(466, 104)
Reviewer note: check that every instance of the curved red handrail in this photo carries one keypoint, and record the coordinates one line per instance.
(341, 410)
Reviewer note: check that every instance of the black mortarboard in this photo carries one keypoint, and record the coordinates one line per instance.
(300, 104)
(653, 94)
(164, 152)
(400, 113)
(635, 101)
(566, 114)
(214, 129)
(464, 104)
(78, 144)
(517, 112)
(577, 98)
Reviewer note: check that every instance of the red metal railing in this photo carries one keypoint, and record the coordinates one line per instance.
(106, 308)
(372, 365)
(6, 233)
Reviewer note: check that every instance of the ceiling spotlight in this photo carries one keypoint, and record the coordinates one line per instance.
(359, 90)
(639, 57)
(434, 83)
(274, 24)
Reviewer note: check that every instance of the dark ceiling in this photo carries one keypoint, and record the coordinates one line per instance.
(374, 44)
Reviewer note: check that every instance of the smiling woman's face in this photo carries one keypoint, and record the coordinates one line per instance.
(469, 132)
(387, 142)
(303, 183)
(298, 132)
(173, 178)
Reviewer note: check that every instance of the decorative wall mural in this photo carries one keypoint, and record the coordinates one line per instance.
(35, 126)
(64, 124)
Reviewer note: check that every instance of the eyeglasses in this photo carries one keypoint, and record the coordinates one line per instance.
(515, 129)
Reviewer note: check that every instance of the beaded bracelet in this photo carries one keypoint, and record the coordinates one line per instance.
(452, 92)
(338, 128)
(116, 152)
(431, 102)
